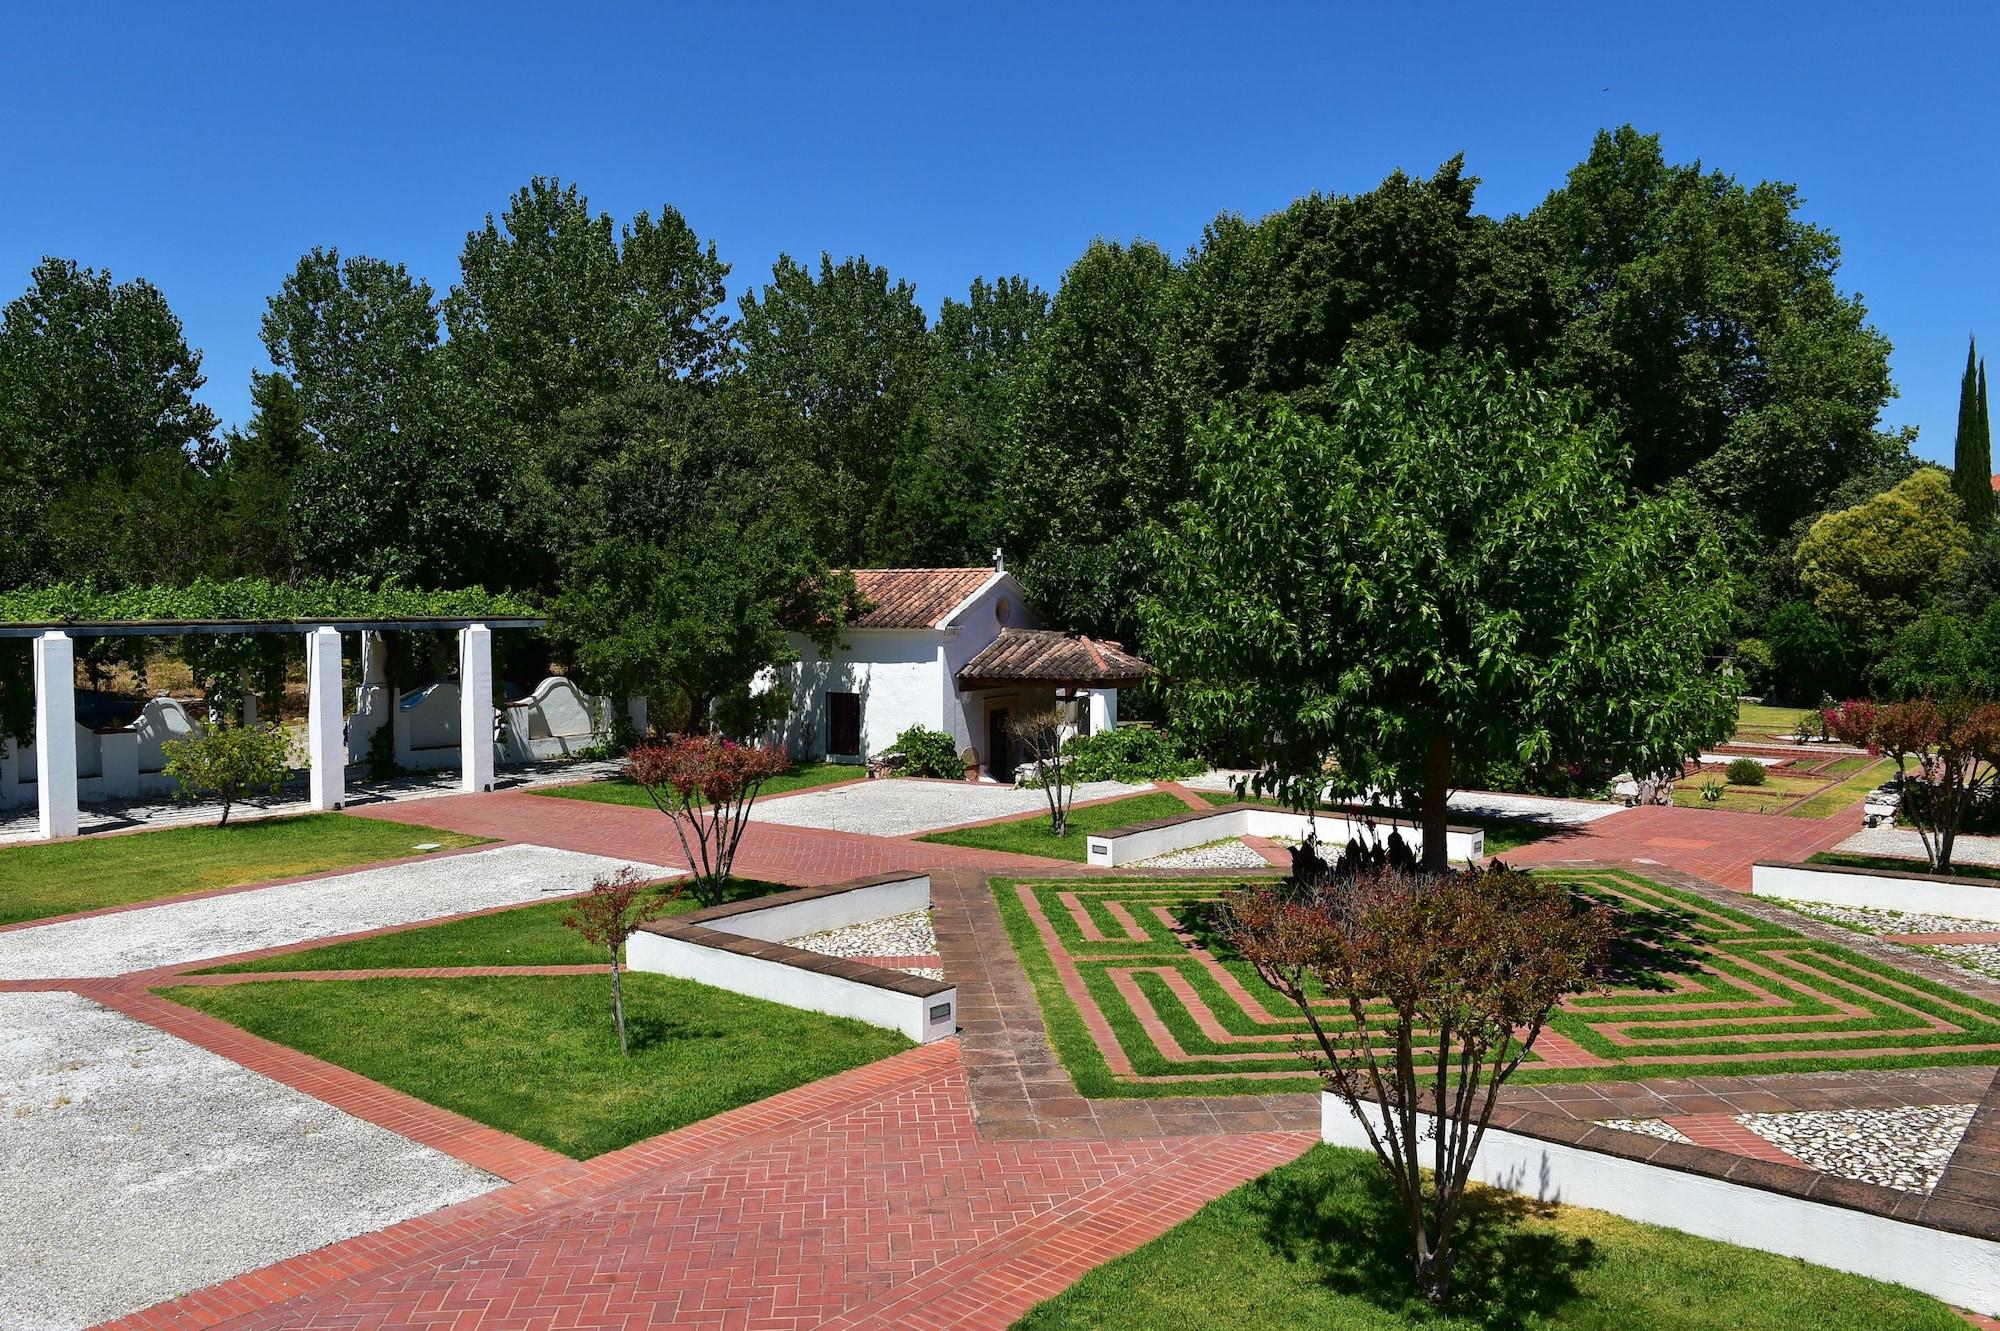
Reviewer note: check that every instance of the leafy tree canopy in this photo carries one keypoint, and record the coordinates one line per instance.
(1876, 565)
(1445, 572)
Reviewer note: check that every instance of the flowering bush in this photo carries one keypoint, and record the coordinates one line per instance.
(1946, 750)
(707, 786)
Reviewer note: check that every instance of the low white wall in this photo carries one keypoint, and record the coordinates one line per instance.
(793, 919)
(1334, 832)
(922, 1018)
(1804, 882)
(1954, 1267)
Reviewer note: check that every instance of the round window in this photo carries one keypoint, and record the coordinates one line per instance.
(1003, 610)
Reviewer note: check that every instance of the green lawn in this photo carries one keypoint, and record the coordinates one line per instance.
(1898, 864)
(1861, 779)
(1030, 836)
(1502, 834)
(1757, 722)
(618, 790)
(525, 936)
(38, 881)
(1776, 792)
(1319, 1244)
(535, 1055)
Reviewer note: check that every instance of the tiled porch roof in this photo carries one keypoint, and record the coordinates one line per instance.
(1044, 656)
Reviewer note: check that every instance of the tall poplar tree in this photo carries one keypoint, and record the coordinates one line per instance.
(1972, 455)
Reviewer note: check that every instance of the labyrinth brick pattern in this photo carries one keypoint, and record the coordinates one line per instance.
(1141, 999)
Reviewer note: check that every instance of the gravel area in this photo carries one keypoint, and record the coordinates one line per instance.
(1647, 1127)
(1480, 803)
(1981, 958)
(1228, 853)
(179, 932)
(138, 1167)
(1905, 1148)
(891, 936)
(890, 807)
(1890, 840)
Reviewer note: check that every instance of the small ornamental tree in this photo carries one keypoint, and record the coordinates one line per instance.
(614, 909)
(228, 762)
(1423, 994)
(706, 786)
(1041, 735)
(1946, 750)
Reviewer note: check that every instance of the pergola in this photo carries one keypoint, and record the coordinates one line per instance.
(55, 696)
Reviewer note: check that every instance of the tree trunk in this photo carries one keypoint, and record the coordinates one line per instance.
(1437, 788)
(618, 1004)
(224, 822)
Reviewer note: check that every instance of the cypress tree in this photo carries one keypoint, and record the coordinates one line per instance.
(1972, 453)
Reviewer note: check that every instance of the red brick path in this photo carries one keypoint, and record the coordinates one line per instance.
(1710, 843)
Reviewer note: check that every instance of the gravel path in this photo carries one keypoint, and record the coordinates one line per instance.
(1904, 1148)
(1228, 853)
(1647, 1127)
(890, 807)
(187, 931)
(137, 1167)
(1482, 803)
(1888, 840)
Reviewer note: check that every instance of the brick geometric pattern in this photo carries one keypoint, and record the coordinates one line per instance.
(1722, 990)
(867, 1200)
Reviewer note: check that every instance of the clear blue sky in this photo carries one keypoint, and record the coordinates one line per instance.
(206, 147)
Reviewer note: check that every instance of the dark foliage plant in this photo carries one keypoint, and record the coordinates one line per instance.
(927, 752)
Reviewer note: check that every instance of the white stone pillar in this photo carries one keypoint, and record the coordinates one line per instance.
(326, 747)
(1103, 710)
(475, 708)
(55, 733)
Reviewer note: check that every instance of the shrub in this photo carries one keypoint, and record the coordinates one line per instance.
(928, 753)
(228, 762)
(1754, 664)
(1745, 772)
(1712, 791)
(706, 785)
(1132, 754)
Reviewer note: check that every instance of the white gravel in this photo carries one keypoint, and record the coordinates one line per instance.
(890, 807)
(1228, 853)
(908, 935)
(1479, 803)
(187, 931)
(1904, 1148)
(1904, 841)
(1647, 1127)
(1981, 958)
(137, 1167)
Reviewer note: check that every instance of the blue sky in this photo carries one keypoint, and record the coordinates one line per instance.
(206, 147)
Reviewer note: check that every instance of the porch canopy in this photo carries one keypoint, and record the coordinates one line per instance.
(55, 681)
(1050, 659)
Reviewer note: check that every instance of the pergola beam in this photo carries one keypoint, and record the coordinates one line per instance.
(170, 628)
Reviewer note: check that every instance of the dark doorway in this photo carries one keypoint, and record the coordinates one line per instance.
(843, 725)
(999, 745)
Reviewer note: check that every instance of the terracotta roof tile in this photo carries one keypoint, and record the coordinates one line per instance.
(913, 598)
(1044, 656)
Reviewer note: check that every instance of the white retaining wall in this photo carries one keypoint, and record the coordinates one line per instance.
(1804, 882)
(1959, 1269)
(1334, 832)
(792, 919)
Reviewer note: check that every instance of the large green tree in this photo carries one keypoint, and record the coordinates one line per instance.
(1972, 447)
(1443, 572)
(97, 384)
(1877, 565)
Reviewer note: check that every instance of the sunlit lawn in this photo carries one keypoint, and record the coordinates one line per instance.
(1777, 791)
(617, 790)
(1031, 835)
(58, 878)
(1861, 779)
(1760, 722)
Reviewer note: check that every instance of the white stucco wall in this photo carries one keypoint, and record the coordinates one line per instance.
(1953, 1267)
(894, 670)
(1333, 831)
(1799, 882)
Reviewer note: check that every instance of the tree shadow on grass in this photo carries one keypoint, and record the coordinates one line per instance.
(1649, 943)
(1347, 1223)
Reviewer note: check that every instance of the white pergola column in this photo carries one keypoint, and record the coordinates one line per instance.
(475, 708)
(326, 746)
(55, 733)
(1103, 705)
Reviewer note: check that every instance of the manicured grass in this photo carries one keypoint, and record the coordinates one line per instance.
(1860, 780)
(1757, 722)
(1502, 834)
(1898, 864)
(1690, 979)
(618, 790)
(1776, 792)
(1848, 766)
(535, 1055)
(1030, 836)
(524, 936)
(1319, 1244)
(59, 878)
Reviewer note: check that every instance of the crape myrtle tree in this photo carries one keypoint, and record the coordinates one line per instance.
(610, 913)
(706, 786)
(1445, 571)
(1423, 994)
(1041, 734)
